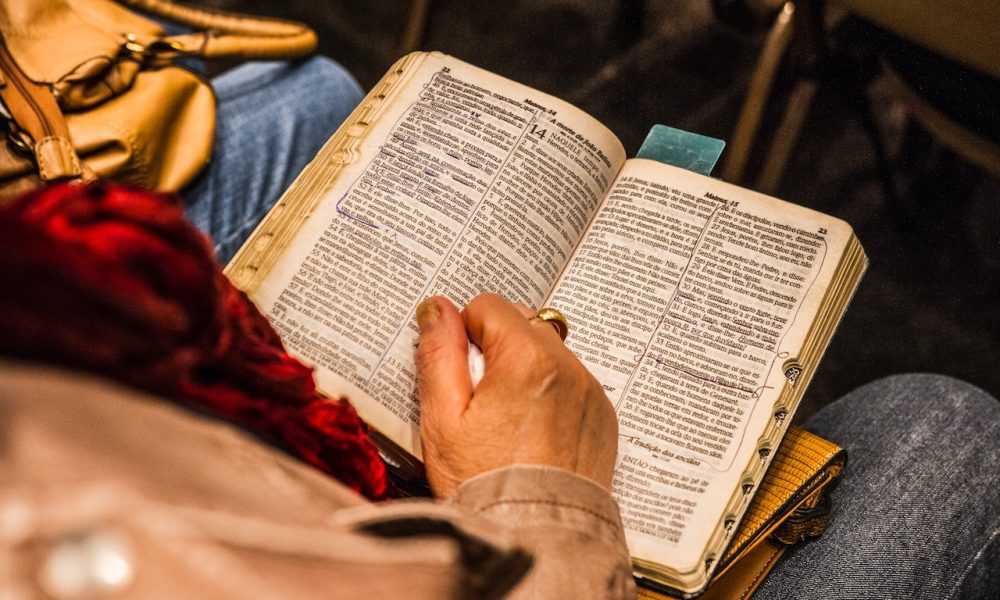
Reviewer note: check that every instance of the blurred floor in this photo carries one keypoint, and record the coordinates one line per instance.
(929, 300)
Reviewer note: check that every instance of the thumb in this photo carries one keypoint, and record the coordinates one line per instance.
(442, 360)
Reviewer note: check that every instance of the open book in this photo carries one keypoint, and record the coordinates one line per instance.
(703, 308)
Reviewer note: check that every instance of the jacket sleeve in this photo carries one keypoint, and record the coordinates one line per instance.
(570, 524)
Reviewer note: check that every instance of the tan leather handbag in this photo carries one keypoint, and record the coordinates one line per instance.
(90, 88)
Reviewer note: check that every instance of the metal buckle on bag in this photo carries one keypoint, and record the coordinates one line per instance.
(159, 51)
(133, 47)
(20, 142)
(18, 139)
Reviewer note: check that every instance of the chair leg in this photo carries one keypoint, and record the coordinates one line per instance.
(786, 136)
(416, 26)
(761, 82)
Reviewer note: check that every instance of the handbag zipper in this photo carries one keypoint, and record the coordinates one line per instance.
(36, 116)
(16, 76)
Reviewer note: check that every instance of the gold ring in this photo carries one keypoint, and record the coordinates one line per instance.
(554, 318)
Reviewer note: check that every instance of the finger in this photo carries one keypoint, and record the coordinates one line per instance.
(442, 359)
(488, 318)
(545, 329)
(526, 311)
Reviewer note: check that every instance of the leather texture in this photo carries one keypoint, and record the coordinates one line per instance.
(41, 131)
(741, 581)
(790, 506)
(91, 89)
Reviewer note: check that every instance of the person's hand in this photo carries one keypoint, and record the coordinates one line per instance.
(536, 404)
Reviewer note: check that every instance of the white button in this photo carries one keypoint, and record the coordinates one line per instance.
(94, 563)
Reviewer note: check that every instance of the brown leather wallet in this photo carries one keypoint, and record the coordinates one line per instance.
(790, 506)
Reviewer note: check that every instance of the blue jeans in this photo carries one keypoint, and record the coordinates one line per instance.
(272, 119)
(917, 510)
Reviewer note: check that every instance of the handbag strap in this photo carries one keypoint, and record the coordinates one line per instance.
(224, 34)
(36, 125)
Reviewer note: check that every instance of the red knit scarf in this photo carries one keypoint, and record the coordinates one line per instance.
(117, 281)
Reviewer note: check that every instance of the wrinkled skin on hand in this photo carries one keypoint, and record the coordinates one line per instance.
(536, 404)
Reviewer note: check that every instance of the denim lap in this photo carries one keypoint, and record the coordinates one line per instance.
(273, 117)
(917, 510)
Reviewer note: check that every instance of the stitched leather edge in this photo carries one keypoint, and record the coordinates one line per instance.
(765, 568)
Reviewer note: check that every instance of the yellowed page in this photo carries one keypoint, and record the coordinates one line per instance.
(687, 298)
(465, 183)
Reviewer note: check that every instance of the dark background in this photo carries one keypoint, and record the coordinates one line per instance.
(928, 302)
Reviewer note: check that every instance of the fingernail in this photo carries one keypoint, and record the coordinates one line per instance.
(427, 313)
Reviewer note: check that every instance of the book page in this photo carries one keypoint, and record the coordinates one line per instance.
(466, 183)
(686, 298)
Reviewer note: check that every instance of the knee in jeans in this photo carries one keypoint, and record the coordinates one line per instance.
(321, 74)
(927, 391)
(320, 95)
(326, 69)
(903, 406)
(925, 402)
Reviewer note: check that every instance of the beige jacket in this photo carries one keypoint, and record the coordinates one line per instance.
(105, 492)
